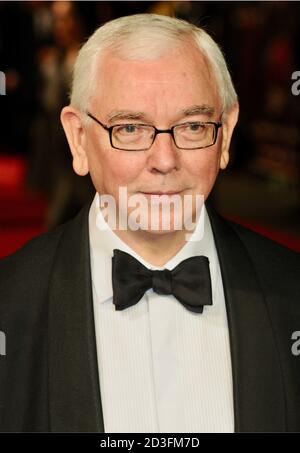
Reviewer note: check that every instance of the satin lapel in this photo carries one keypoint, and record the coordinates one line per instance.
(74, 394)
(257, 384)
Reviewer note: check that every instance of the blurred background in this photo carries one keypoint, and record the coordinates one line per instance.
(39, 41)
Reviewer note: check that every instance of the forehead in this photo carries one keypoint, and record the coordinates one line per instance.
(169, 83)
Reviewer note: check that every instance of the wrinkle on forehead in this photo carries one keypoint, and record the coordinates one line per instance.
(120, 79)
(109, 57)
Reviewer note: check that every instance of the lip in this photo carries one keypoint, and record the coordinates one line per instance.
(162, 193)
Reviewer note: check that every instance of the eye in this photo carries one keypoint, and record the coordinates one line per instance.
(195, 127)
(128, 128)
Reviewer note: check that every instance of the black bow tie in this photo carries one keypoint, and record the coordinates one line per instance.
(189, 282)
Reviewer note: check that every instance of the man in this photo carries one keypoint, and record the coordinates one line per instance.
(147, 328)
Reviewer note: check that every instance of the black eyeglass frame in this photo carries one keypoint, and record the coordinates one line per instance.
(109, 129)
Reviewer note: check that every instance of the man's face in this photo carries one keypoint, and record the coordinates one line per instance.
(171, 90)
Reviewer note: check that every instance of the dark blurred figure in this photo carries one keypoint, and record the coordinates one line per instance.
(50, 168)
(275, 126)
(17, 50)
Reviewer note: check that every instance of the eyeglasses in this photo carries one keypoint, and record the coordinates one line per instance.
(140, 137)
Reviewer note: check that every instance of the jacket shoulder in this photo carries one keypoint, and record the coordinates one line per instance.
(265, 248)
(36, 252)
(277, 267)
(24, 275)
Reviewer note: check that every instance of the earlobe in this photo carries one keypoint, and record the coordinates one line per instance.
(75, 133)
(224, 159)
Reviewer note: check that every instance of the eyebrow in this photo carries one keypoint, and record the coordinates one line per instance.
(202, 109)
(125, 115)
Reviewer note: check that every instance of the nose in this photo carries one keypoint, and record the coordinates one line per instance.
(163, 154)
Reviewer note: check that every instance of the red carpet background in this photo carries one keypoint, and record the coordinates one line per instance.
(22, 213)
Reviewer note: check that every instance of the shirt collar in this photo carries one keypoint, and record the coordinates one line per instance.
(104, 241)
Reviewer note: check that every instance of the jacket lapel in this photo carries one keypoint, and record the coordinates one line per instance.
(257, 384)
(74, 393)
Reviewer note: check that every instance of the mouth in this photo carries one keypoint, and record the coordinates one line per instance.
(162, 193)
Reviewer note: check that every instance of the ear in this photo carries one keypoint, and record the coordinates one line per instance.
(228, 126)
(73, 126)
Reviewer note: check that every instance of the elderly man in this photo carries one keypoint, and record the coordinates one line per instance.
(116, 323)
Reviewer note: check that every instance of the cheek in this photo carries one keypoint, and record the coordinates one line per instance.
(204, 168)
(114, 169)
(122, 171)
(204, 162)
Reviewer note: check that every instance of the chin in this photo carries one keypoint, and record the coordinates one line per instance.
(160, 226)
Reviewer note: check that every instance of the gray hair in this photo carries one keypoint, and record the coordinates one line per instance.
(130, 36)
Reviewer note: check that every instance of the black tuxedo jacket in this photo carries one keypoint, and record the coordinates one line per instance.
(49, 375)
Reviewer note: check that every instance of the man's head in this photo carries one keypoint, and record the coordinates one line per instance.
(158, 71)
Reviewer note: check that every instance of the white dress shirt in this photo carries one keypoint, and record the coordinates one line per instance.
(162, 368)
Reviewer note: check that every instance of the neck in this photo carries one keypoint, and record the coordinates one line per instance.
(155, 248)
